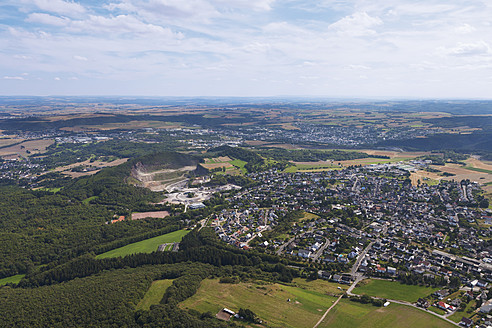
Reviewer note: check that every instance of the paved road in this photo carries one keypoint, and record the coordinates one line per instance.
(321, 249)
(361, 256)
(444, 317)
(282, 247)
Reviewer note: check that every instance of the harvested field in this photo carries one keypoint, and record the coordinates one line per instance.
(479, 164)
(256, 143)
(97, 164)
(124, 126)
(158, 215)
(371, 160)
(4, 142)
(27, 148)
(216, 165)
(393, 154)
(424, 177)
(463, 173)
(283, 146)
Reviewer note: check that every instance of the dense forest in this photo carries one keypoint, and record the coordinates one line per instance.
(103, 293)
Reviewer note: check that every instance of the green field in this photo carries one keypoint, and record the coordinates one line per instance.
(476, 169)
(268, 301)
(349, 314)
(393, 290)
(88, 200)
(154, 294)
(12, 279)
(145, 246)
(240, 164)
(309, 301)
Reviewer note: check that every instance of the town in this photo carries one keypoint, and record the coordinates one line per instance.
(369, 221)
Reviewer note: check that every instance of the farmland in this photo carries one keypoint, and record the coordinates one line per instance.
(26, 148)
(154, 294)
(393, 290)
(145, 246)
(307, 304)
(350, 314)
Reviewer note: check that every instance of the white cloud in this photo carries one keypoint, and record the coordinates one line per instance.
(356, 25)
(47, 19)
(60, 7)
(81, 58)
(57, 79)
(465, 29)
(119, 25)
(471, 49)
(20, 78)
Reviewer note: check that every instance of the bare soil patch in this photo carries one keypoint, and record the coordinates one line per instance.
(158, 215)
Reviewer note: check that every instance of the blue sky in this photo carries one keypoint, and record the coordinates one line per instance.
(333, 48)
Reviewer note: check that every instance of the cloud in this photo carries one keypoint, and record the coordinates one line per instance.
(47, 19)
(356, 25)
(81, 58)
(60, 7)
(479, 48)
(20, 78)
(464, 29)
(120, 24)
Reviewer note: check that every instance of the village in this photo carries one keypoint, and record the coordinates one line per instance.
(369, 222)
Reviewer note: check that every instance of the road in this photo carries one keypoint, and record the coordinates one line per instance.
(282, 247)
(444, 317)
(349, 292)
(320, 251)
(328, 310)
(361, 256)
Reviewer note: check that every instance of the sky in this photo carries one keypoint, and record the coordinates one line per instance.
(328, 48)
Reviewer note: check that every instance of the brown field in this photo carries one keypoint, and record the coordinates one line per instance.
(158, 215)
(256, 143)
(420, 175)
(7, 141)
(393, 154)
(283, 146)
(33, 146)
(124, 126)
(463, 173)
(460, 172)
(88, 163)
(216, 165)
(222, 161)
(219, 159)
(75, 175)
(479, 164)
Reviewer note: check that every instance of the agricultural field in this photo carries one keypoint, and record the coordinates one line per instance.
(154, 294)
(371, 160)
(392, 290)
(349, 314)
(308, 302)
(96, 166)
(12, 279)
(26, 148)
(5, 142)
(132, 125)
(312, 166)
(268, 301)
(145, 246)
